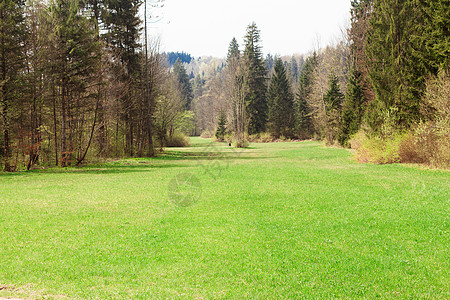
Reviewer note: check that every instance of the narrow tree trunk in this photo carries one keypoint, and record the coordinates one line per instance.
(130, 119)
(80, 160)
(151, 151)
(63, 125)
(55, 127)
(32, 159)
(117, 138)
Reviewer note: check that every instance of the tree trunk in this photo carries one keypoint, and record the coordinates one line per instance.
(63, 125)
(55, 127)
(5, 112)
(80, 160)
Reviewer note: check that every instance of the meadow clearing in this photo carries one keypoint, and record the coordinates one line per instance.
(274, 221)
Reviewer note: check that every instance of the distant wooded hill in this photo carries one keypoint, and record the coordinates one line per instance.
(182, 56)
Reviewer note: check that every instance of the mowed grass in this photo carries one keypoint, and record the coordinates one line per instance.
(275, 221)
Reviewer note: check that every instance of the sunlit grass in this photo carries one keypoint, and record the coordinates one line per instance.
(280, 220)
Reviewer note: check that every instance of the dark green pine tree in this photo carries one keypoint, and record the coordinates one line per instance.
(303, 120)
(255, 81)
(333, 98)
(431, 38)
(333, 103)
(122, 33)
(281, 103)
(233, 51)
(12, 39)
(221, 126)
(184, 83)
(123, 27)
(397, 77)
(352, 108)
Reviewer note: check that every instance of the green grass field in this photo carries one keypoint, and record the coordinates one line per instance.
(275, 221)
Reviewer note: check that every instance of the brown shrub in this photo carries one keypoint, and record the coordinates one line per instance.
(432, 137)
(177, 140)
(408, 151)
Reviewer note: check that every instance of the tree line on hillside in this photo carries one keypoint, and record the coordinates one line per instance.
(183, 57)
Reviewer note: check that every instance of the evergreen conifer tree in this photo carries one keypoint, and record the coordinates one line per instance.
(304, 124)
(255, 81)
(281, 103)
(221, 126)
(333, 103)
(333, 98)
(397, 78)
(352, 108)
(233, 51)
(431, 37)
(123, 26)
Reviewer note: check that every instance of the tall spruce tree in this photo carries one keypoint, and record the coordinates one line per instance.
(353, 108)
(233, 51)
(12, 39)
(255, 81)
(333, 103)
(122, 33)
(431, 37)
(123, 28)
(231, 72)
(303, 119)
(398, 80)
(281, 103)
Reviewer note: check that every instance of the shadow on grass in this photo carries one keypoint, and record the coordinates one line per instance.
(116, 168)
(213, 155)
(147, 164)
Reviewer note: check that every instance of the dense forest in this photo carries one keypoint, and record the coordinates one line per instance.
(78, 83)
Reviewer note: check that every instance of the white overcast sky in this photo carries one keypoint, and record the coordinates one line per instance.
(206, 27)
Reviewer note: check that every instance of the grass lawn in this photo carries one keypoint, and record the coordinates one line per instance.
(279, 220)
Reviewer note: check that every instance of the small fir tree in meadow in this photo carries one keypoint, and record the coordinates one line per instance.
(221, 126)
